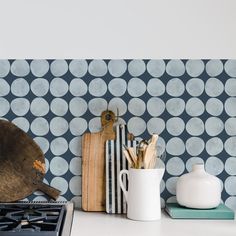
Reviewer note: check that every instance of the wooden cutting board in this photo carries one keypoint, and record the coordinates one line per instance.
(93, 164)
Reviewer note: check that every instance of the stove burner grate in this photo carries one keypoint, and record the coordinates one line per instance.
(30, 219)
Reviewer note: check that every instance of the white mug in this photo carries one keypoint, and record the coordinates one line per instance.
(143, 195)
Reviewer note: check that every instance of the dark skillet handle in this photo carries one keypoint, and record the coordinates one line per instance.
(50, 191)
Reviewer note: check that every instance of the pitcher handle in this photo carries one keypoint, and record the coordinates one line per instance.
(121, 183)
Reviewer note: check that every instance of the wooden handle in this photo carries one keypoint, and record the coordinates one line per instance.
(50, 191)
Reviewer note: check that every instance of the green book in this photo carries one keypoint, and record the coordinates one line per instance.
(221, 212)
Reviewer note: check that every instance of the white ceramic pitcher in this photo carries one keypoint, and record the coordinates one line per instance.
(143, 195)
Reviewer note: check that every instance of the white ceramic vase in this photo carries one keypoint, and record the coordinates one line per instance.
(198, 189)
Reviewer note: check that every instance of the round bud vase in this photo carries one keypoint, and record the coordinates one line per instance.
(198, 189)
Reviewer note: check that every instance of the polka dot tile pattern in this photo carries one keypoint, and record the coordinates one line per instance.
(191, 104)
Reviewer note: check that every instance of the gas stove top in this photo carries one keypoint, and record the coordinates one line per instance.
(36, 218)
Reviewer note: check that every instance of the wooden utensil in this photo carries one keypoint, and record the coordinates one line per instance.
(22, 165)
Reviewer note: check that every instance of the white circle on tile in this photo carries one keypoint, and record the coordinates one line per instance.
(117, 67)
(214, 166)
(75, 185)
(20, 68)
(58, 87)
(78, 67)
(214, 126)
(59, 106)
(39, 87)
(156, 68)
(97, 87)
(136, 106)
(175, 126)
(117, 87)
(175, 146)
(75, 146)
(43, 143)
(175, 106)
(230, 184)
(214, 106)
(59, 146)
(75, 166)
(172, 199)
(195, 126)
(20, 87)
(136, 67)
(136, 87)
(58, 166)
(175, 87)
(95, 125)
(192, 161)
(136, 126)
(60, 183)
(39, 107)
(117, 103)
(39, 126)
(230, 106)
(230, 165)
(39, 199)
(20, 106)
(97, 67)
(78, 106)
(155, 87)
(39, 68)
(47, 168)
(171, 185)
(175, 166)
(230, 67)
(22, 123)
(195, 87)
(214, 87)
(230, 146)
(78, 126)
(161, 145)
(195, 146)
(4, 68)
(58, 126)
(175, 67)
(214, 67)
(4, 87)
(77, 202)
(78, 87)
(59, 67)
(214, 146)
(5, 106)
(155, 126)
(231, 203)
(230, 126)
(230, 87)
(162, 186)
(97, 105)
(195, 67)
(195, 107)
(155, 106)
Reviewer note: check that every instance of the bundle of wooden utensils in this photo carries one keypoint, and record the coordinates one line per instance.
(145, 157)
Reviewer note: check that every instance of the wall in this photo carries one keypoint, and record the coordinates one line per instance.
(190, 103)
(117, 29)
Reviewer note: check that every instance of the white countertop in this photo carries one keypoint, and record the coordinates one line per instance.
(96, 224)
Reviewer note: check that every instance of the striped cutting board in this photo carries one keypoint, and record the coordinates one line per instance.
(115, 162)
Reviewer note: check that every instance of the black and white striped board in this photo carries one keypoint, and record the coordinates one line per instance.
(115, 162)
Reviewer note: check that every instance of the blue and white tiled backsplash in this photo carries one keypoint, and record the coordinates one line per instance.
(190, 103)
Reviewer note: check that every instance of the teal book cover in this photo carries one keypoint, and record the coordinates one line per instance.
(179, 212)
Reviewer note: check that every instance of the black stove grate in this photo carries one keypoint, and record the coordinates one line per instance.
(29, 219)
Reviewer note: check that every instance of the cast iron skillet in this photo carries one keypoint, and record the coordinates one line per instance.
(22, 165)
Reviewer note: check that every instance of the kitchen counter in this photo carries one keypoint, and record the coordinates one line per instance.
(96, 224)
